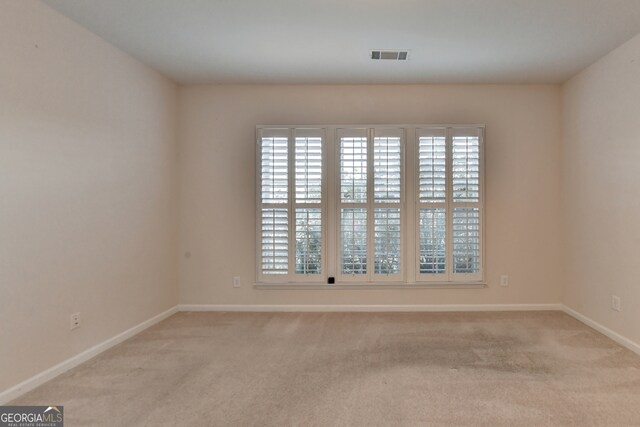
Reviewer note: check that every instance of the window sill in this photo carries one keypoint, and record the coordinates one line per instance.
(347, 286)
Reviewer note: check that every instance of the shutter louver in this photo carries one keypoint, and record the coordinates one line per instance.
(308, 203)
(432, 204)
(466, 240)
(433, 247)
(387, 240)
(275, 176)
(432, 152)
(353, 169)
(354, 188)
(308, 241)
(387, 163)
(308, 170)
(466, 208)
(466, 169)
(274, 200)
(387, 196)
(275, 241)
(353, 225)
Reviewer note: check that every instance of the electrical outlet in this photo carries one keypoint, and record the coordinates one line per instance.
(615, 303)
(75, 321)
(236, 281)
(504, 280)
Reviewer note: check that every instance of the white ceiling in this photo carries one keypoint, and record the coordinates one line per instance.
(328, 41)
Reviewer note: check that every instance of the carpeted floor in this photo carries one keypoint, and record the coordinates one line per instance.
(336, 369)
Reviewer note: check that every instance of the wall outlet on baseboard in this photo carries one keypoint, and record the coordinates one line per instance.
(504, 280)
(236, 281)
(615, 303)
(75, 321)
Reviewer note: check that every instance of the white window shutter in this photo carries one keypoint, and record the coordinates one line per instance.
(432, 207)
(275, 241)
(275, 170)
(309, 206)
(387, 224)
(466, 204)
(368, 226)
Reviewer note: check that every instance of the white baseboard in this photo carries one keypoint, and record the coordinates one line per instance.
(623, 341)
(33, 382)
(369, 308)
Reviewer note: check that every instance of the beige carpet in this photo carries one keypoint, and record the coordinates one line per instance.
(255, 369)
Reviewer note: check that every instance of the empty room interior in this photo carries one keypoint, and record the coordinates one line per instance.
(299, 212)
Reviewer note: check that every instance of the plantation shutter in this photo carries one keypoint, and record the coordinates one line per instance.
(466, 206)
(449, 208)
(353, 152)
(370, 214)
(291, 204)
(274, 175)
(360, 207)
(432, 209)
(387, 203)
(308, 204)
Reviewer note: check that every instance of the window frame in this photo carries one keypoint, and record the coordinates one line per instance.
(449, 131)
(291, 133)
(370, 132)
(410, 276)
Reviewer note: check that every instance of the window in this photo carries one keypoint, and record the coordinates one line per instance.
(449, 208)
(332, 202)
(291, 205)
(370, 204)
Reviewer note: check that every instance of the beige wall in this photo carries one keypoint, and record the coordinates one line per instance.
(601, 189)
(217, 180)
(88, 173)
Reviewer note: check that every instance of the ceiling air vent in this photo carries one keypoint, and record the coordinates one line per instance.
(395, 55)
